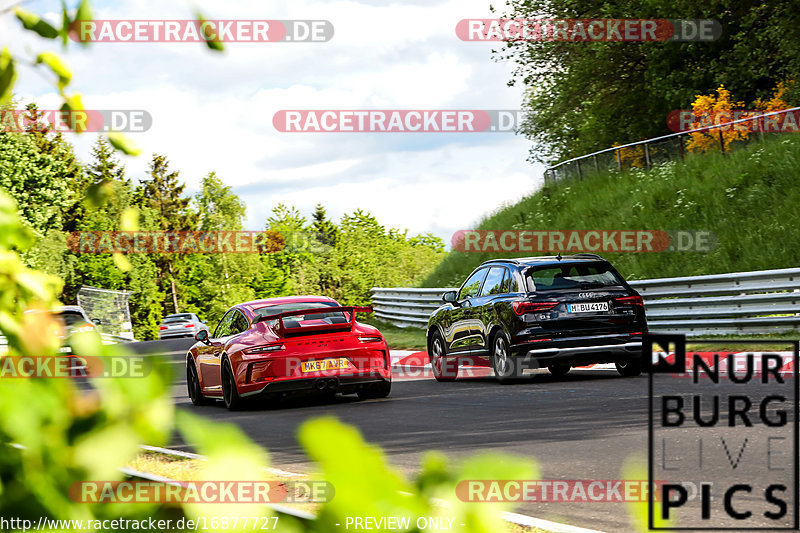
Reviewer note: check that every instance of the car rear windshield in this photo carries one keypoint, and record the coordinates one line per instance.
(299, 306)
(571, 276)
(178, 318)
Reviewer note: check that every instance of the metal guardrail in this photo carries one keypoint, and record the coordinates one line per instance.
(653, 151)
(765, 301)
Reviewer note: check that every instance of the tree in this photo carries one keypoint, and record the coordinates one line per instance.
(326, 231)
(163, 194)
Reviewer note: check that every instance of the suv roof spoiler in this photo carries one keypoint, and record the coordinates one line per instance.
(282, 330)
(544, 258)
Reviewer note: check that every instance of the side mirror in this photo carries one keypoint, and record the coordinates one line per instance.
(201, 336)
(449, 297)
(97, 322)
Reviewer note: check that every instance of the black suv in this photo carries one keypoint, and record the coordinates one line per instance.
(554, 312)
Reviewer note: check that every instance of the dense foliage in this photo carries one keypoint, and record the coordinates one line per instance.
(57, 195)
(585, 96)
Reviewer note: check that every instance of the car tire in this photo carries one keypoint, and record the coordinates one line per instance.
(503, 363)
(629, 368)
(444, 369)
(230, 395)
(193, 386)
(559, 371)
(376, 390)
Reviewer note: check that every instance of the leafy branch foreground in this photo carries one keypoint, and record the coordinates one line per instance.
(54, 435)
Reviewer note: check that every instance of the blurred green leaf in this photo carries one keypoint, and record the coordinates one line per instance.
(8, 75)
(57, 66)
(74, 106)
(84, 13)
(123, 144)
(65, 22)
(377, 490)
(33, 22)
(213, 43)
(635, 469)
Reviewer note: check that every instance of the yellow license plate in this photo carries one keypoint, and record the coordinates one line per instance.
(325, 364)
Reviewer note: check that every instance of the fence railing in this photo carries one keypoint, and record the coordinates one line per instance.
(765, 301)
(650, 152)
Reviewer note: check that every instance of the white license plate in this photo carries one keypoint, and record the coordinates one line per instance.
(587, 307)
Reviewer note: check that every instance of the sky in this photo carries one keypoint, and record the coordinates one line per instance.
(213, 112)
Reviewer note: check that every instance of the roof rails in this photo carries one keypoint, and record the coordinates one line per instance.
(522, 260)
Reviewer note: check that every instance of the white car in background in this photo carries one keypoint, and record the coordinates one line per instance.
(180, 325)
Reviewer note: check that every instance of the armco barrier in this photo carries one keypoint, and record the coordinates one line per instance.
(765, 301)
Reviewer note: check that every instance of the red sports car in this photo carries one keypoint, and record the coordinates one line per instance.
(268, 348)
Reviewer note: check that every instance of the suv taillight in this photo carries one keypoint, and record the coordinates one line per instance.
(521, 308)
(630, 300)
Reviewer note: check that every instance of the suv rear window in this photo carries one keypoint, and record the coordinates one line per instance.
(571, 276)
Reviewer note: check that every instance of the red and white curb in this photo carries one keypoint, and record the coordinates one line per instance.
(408, 365)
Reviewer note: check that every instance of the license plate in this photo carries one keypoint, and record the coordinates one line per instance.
(325, 364)
(587, 307)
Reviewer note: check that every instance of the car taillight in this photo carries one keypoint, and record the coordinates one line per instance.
(189, 326)
(162, 327)
(271, 348)
(370, 339)
(521, 308)
(630, 300)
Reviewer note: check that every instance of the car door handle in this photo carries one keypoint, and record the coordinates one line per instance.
(216, 354)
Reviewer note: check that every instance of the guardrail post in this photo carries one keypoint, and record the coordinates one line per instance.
(596, 166)
(721, 141)
(619, 160)
(647, 156)
(580, 172)
(680, 146)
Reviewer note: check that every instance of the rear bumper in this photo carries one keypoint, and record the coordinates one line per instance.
(580, 355)
(330, 383)
(176, 334)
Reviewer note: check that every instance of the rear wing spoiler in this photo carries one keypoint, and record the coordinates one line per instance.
(283, 330)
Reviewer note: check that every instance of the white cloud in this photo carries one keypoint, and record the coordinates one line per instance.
(214, 112)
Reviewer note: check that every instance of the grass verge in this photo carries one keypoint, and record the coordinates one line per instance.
(747, 198)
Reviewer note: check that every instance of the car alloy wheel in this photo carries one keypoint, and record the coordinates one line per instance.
(503, 362)
(193, 384)
(442, 368)
(229, 393)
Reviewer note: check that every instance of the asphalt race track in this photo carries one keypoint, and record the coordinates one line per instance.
(579, 427)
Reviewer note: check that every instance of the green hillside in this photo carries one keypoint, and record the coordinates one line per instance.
(749, 198)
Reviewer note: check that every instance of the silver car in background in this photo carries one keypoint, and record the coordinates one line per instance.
(180, 325)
